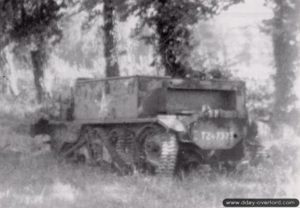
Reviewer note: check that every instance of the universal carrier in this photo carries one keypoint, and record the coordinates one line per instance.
(153, 124)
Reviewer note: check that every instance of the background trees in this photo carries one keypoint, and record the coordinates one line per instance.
(32, 24)
(172, 22)
(89, 36)
(284, 28)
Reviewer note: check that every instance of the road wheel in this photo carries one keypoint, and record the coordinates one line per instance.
(124, 141)
(95, 142)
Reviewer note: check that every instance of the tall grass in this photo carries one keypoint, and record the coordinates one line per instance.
(44, 182)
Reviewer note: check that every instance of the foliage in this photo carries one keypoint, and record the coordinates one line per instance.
(260, 100)
(171, 22)
(42, 181)
(32, 24)
(23, 19)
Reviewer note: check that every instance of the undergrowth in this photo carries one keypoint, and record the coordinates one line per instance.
(42, 181)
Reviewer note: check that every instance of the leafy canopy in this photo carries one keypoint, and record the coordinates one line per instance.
(172, 23)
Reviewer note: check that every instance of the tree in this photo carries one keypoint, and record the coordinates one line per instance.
(172, 23)
(284, 28)
(112, 67)
(109, 14)
(31, 23)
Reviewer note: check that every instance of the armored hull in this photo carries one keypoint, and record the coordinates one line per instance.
(153, 124)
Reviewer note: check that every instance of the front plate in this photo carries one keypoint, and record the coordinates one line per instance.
(212, 134)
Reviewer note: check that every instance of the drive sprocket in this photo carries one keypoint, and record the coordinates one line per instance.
(160, 149)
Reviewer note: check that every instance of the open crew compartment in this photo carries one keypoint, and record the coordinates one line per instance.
(147, 96)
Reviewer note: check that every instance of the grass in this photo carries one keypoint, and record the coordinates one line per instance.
(43, 182)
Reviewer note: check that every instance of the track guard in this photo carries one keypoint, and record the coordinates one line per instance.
(171, 122)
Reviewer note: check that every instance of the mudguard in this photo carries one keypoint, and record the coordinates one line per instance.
(171, 122)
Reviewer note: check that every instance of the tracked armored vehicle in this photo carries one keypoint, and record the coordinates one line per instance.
(153, 124)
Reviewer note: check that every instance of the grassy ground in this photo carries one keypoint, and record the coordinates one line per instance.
(43, 182)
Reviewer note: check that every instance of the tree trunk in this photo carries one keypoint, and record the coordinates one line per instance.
(173, 38)
(8, 83)
(3, 76)
(285, 54)
(110, 51)
(38, 60)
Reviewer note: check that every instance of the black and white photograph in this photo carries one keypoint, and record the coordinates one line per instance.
(149, 103)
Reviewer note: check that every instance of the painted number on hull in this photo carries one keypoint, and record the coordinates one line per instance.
(219, 135)
(216, 139)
